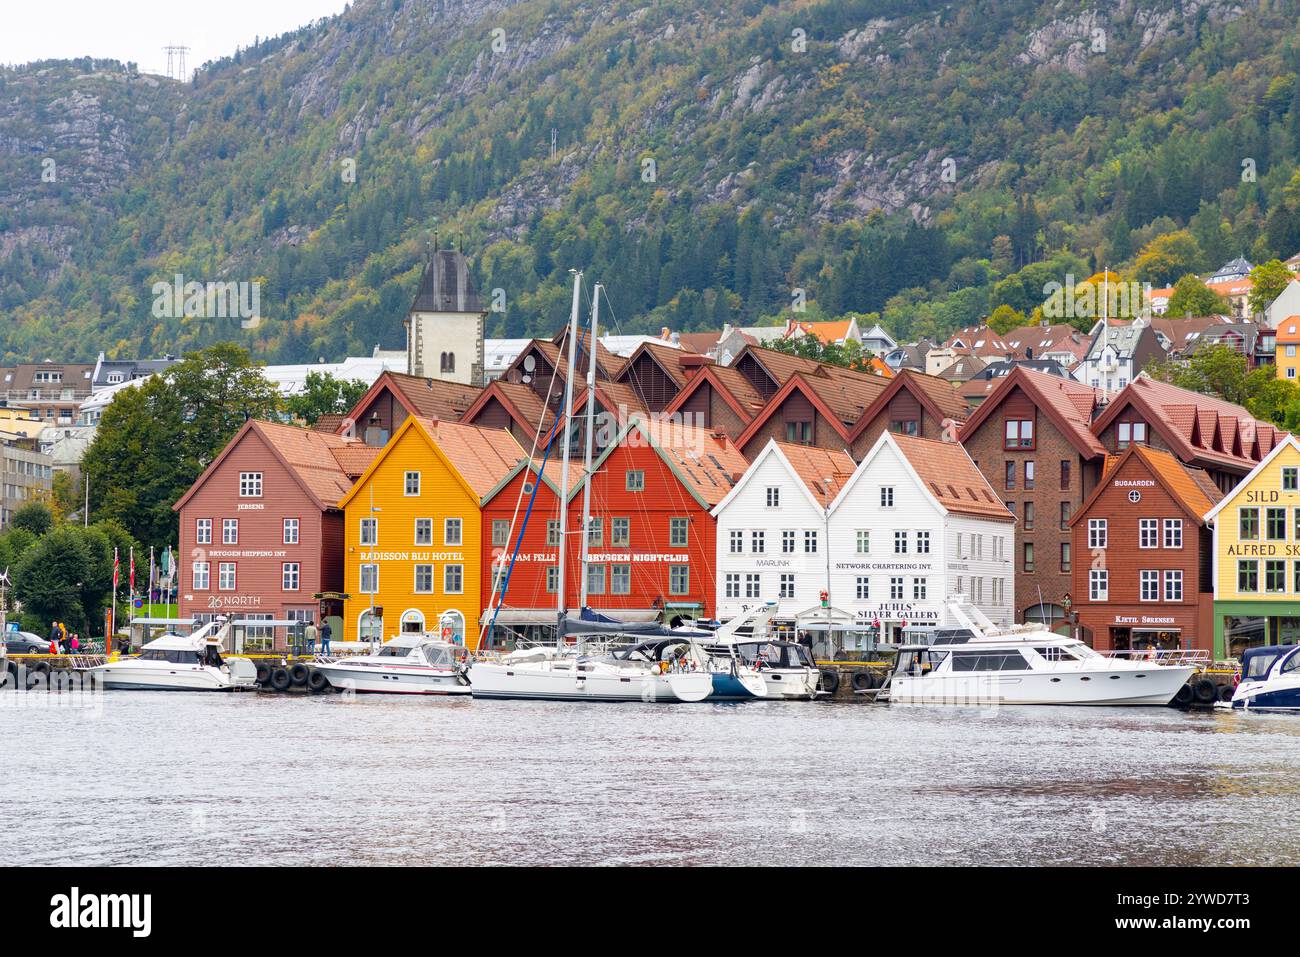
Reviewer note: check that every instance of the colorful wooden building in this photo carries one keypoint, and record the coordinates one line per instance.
(413, 530)
(261, 532)
(1142, 574)
(1257, 555)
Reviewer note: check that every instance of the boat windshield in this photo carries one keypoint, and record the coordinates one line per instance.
(1260, 662)
(438, 656)
(175, 657)
(393, 651)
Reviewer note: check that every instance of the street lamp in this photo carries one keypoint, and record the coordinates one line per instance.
(374, 560)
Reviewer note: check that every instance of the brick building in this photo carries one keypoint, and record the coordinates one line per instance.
(1142, 578)
(1031, 439)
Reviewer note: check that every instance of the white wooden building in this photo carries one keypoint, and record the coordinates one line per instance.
(915, 523)
(772, 530)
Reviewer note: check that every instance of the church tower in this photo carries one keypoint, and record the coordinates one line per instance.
(444, 330)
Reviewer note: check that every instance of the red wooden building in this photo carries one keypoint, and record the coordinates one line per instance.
(260, 531)
(1143, 577)
(653, 542)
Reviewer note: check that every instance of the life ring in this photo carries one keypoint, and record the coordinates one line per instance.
(280, 679)
(830, 681)
(317, 681)
(1184, 695)
(862, 681)
(1205, 691)
(299, 674)
(263, 673)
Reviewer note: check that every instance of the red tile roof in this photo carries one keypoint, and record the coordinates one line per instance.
(483, 457)
(707, 462)
(1191, 487)
(814, 466)
(1068, 403)
(951, 476)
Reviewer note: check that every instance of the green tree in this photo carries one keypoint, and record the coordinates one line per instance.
(1267, 282)
(1270, 398)
(51, 576)
(155, 440)
(1173, 254)
(1004, 319)
(323, 394)
(35, 517)
(1215, 370)
(65, 499)
(1191, 297)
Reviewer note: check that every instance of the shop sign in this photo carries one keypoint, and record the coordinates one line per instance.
(1142, 620)
(412, 556)
(866, 566)
(234, 601)
(896, 611)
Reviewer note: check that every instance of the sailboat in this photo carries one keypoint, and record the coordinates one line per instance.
(659, 665)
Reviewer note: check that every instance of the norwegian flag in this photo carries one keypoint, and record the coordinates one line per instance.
(132, 572)
(115, 571)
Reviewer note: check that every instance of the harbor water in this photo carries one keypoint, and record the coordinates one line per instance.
(159, 778)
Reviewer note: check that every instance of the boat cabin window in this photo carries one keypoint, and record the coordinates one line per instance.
(1292, 663)
(919, 661)
(1056, 653)
(1008, 660)
(175, 657)
(394, 651)
(212, 656)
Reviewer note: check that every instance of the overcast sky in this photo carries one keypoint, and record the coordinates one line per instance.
(137, 30)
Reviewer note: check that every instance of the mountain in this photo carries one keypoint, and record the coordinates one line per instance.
(712, 162)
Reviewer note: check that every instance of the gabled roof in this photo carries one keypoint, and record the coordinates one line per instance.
(935, 394)
(478, 457)
(707, 463)
(665, 356)
(779, 365)
(841, 397)
(737, 391)
(1287, 440)
(608, 365)
(314, 459)
(828, 332)
(1069, 404)
(433, 398)
(1190, 487)
(945, 473)
(809, 467)
(550, 476)
(1195, 426)
(523, 404)
(979, 341)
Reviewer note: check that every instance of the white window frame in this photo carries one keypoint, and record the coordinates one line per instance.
(460, 572)
(203, 569)
(203, 531)
(457, 540)
(407, 484)
(290, 572)
(223, 569)
(290, 531)
(230, 531)
(250, 484)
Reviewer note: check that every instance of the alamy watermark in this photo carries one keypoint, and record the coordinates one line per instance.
(179, 299)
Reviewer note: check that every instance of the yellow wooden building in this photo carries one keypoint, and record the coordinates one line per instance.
(413, 539)
(1257, 555)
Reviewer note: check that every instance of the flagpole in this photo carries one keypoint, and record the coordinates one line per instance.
(112, 615)
(130, 588)
(150, 601)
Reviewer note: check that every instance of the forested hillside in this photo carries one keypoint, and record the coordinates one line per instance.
(925, 161)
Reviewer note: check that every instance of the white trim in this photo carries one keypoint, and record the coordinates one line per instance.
(772, 448)
(887, 438)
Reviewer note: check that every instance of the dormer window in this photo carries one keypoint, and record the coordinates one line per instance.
(1130, 433)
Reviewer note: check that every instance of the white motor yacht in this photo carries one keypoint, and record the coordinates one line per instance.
(756, 665)
(1027, 664)
(179, 663)
(406, 664)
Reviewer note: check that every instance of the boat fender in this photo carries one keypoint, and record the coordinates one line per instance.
(862, 681)
(1226, 691)
(263, 673)
(1184, 695)
(317, 681)
(280, 679)
(299, 674)
(1205, 691)
(830, 681)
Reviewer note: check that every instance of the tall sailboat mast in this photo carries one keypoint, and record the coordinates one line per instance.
(564, 467)
(586, 455)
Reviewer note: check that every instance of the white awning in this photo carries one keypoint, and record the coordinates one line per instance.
(816, 616)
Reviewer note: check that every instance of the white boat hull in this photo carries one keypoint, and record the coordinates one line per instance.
(562, 681)
(161, 676)
(1110, 686)
(392, 679)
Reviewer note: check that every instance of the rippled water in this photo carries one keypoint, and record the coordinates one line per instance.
(157, 778)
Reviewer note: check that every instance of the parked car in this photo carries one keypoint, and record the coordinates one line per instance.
(25, 643)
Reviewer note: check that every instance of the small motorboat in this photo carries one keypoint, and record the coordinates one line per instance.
(1270, 679)
(756, 666)
(178, 663)
(406, 664)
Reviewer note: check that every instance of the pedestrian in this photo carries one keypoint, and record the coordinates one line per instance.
(54, 637)
(63, 636)
(75, 643)
(310, 634)
(325, 637)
